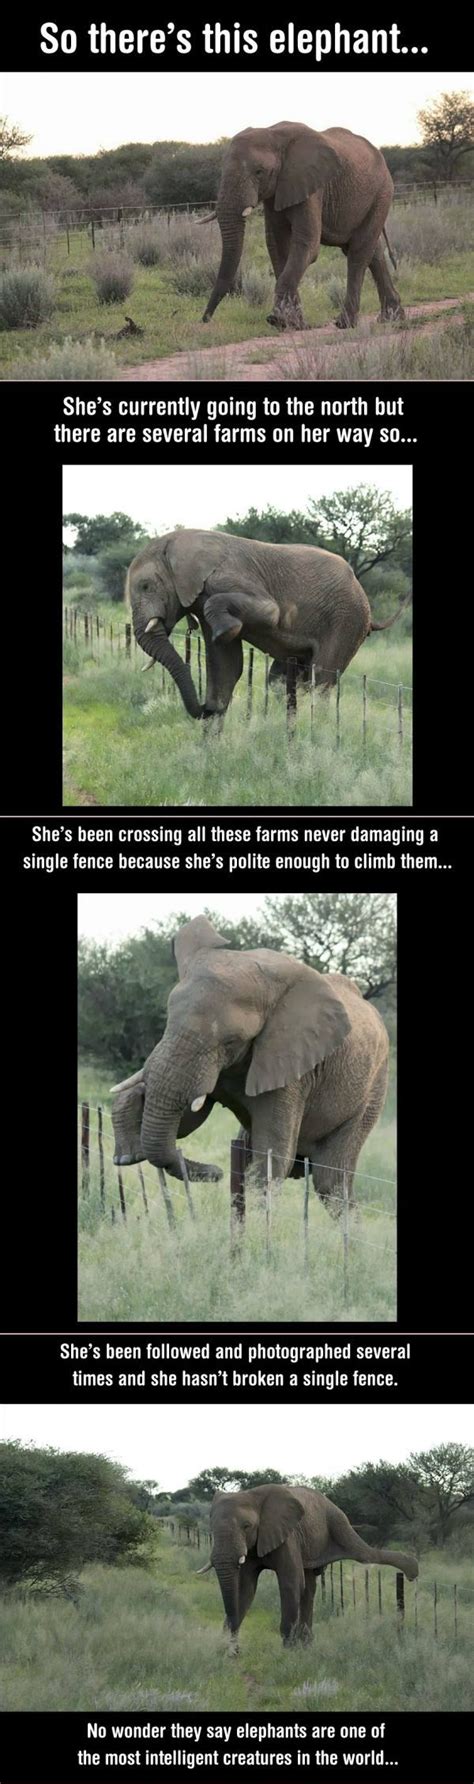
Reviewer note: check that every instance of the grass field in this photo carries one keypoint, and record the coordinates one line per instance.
(128, 740)
(139, 1269)
(153, 1641)
(167, 299)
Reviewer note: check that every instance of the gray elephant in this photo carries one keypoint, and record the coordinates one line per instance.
(299, 1057)
(327, 187)
(291, 601)
(296, 1532)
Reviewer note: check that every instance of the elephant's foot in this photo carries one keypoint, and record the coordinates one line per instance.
(287, 314)
(196, 1172)
(233, 1650)
(305, 1636)
(391, 313)
(212, 712)
(129, 1158)
(345, 320)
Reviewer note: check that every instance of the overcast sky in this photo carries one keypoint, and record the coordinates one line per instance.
(171, 1444)
(203, 495)
(78, 114)
(110, 916)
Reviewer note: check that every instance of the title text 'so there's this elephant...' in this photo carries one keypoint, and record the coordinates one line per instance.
(328, 187)
(300, 1057)
(290, 601)
(294, 1531)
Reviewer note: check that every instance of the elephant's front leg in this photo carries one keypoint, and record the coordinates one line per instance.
(224, 665)
(276, 1117)
(291, 1582)
(305, 1628)
(227, 612)
(305, 240)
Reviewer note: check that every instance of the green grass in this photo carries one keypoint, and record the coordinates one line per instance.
(128, 740)
(171, 321)
(153, 1641)
(141, 1270)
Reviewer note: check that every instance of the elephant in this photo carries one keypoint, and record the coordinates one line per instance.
(296, 1532)
(317, 186)
(300, 1057)
(291, 601)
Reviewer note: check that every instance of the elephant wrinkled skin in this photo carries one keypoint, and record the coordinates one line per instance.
(290, 601)
(296, 1532)
(328, 187)
(299, 1057)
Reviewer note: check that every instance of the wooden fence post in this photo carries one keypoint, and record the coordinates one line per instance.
(306, 1214)
(141, 1180)
(265, 697)
(379, 1584)
(199, 667)
(291, 697)
(250, 683)
(364, 713)
(416, 1607)
(187, 1191)
(345, 1234)
(85, 1147)
(367, 1591)
(123, 1209)
(400, 1592)
(341, 1587)
(128, 640)
(239, 1149)
(101, 1155)
(170, 1214)
(353, 1587)
(435, 1606)
(331, 1573)
(313, 695)
(338, 708)
(268, 1204)
(400, 716)
(187, 649)
(455, 1613)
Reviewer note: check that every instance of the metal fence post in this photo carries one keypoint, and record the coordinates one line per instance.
(306, 1214)
(364, 713)
(85, 1147)
(313, 695)
(170, 1214)
(400, 1592)
(268, 1204)
(338, 708)
(250, 683)
(400, 716)
(345, 1234)
(238, 1157)
(291, 698)
(101, 1155)
(435, 1606)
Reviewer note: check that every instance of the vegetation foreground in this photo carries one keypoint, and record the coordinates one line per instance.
(152, 1640)
(139, 1267)
(128, 740)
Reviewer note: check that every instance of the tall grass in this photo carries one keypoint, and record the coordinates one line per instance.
(152, 1641)
(142, 1270)
(129, 740)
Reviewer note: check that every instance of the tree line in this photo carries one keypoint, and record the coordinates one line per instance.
(123, 991)
(172, 173)
(61, 1512)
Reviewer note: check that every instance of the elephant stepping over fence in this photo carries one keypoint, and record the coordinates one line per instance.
(294, 1531)
(293, 602)
(328, 187)
(300, 1057)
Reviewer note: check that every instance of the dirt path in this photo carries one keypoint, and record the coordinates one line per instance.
(255, 361)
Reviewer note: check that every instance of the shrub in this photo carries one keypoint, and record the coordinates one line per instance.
(146, 244)
(193, 277)
(429, 232)
(113, 277)
(336, 291)
(256, 286)
(68, 359)
(27, 296)
(112, 566)
(186, 235)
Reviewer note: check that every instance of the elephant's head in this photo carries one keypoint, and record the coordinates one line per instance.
(282, 165)
(261, 1015)
(245, 1528)
(163, 582)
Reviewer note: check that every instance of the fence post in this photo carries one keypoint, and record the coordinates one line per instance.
(93, 232)
(323, 1585)
(122, 1196)
(85, 1147)
(338, 708)
(170, 1214)
(332, 1585)
(141, 1180)
(265, 697)
(341, 1588)
(128, 640)
(86, 628)
(379, 1583)
(345, 1234)
(111, 635)
(400, 1592)
(364, 713)
(400, 716)
(199, 668)
(306, 1214)
(313, 695)
(455, 1613)
(238, 1159)
(250, 683)
(353, 1587)
(268, 1204)
(435, 1606)
(187, 648)
(367, 1591)
(291, 697)
(101, 1156)
(184, 1174)
(67, 236)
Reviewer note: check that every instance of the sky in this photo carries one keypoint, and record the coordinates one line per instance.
(171, 1444)
(160, 499)
(76, 114)
(111, 916)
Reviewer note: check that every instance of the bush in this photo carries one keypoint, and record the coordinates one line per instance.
(193, 277)
(256, 286)
(78, 569)
(113, 277)
(336, 291)
(27, 296)
(428, 231)
(68, 359)
(112, 566)
(146, 244)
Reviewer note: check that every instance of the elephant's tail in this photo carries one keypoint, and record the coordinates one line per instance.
(382, 625)
(391, 253)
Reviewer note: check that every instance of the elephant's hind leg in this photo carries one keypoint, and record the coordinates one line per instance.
(361, 251)
(305, 1627)
(336, 1154)
(390, 301)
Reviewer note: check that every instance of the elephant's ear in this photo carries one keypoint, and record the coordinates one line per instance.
(191, 557)
(308, 163)
(193, 936)
(280, 1513)
(304, 1027)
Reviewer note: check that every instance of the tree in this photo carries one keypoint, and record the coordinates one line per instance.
(447, 127)
(446, 1474)
(95, 532)
(210, 1481)
(348, 932)
(12, 138)
(364, 526)
(59, 1512)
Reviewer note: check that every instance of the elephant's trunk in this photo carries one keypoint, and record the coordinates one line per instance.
(228, 1577)
(157, 645)
(232, 228)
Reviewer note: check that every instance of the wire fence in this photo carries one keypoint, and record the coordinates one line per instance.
(253, 1174)
(35, 233)
(98, 640)
(345, 1589)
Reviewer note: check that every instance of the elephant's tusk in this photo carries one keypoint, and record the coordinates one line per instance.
(126, 1084)
(207, 1569)
(248, 210)
(242, 1560)
(198, 1103)
(149, 665)
(151, 625)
